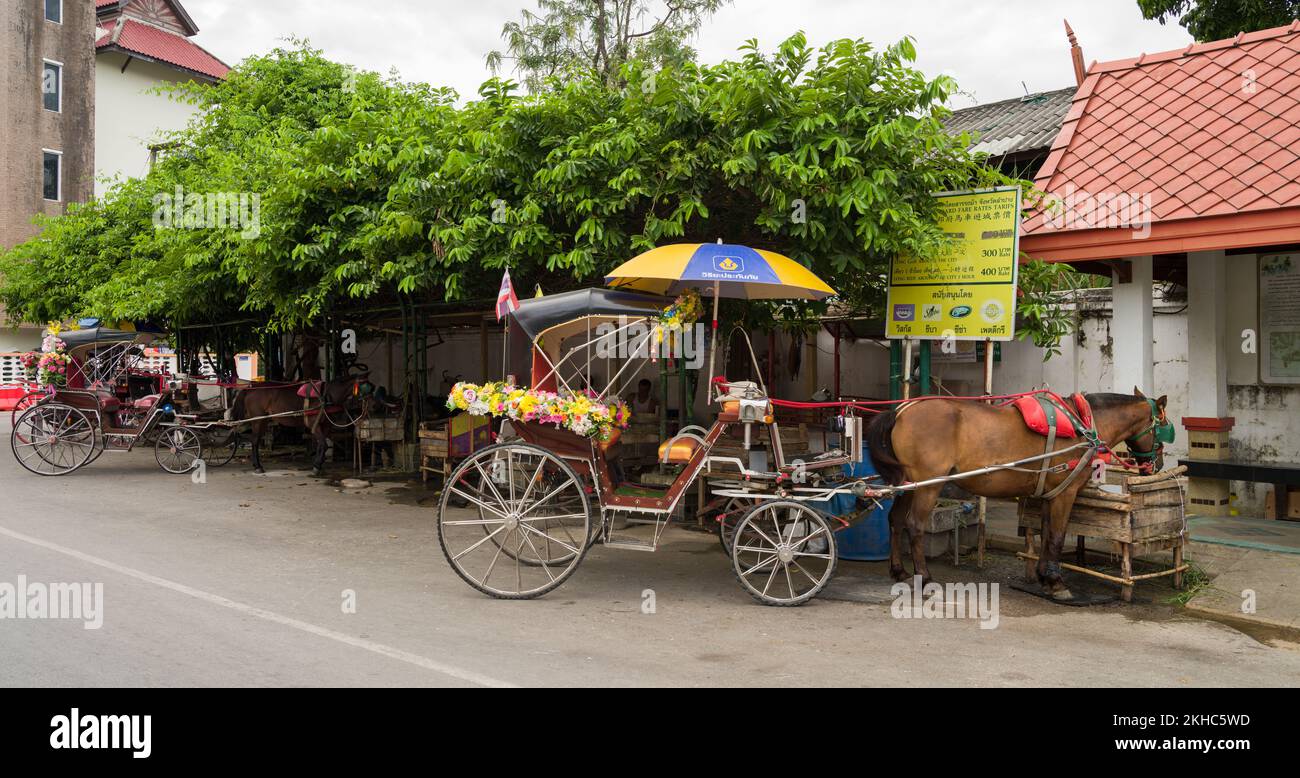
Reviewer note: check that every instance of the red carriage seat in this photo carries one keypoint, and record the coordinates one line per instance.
(147, 402)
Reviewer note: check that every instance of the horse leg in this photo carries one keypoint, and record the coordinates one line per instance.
(1056, 518)
(318, 437)
(259, 429)
(923, 501)
(897, 526)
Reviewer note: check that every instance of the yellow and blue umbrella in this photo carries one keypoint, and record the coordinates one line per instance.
(727, 270)
(730, 271)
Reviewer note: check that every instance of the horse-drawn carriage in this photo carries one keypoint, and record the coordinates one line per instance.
(112, 400)
(517, 518)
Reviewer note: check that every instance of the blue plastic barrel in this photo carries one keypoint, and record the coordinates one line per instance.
(868, 540)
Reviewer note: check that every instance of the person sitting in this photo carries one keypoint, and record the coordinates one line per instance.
(643, 401)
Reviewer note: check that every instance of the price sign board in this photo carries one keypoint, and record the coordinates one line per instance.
(968, 291)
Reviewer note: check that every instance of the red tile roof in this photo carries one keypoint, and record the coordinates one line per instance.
(158, 44)
(1212, 130)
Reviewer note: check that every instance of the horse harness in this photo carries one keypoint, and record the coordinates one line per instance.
(1051, 404)
(1160, 426)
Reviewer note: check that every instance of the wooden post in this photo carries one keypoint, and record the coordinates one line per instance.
(1126, 571)
(907, 369)
(483, 346)
(836, 333)
(982, 533)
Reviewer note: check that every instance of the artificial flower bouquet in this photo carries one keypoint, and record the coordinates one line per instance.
(53, 369)
(685, 311)
(31, 362)
(579, 412)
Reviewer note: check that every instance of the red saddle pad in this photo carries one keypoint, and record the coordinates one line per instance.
(1036, 419)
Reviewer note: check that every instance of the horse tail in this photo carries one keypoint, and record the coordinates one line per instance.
(237, 407)
(880, 446)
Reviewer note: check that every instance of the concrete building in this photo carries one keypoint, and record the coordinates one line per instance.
(1183, 168)
(47, 110)
(140, 45)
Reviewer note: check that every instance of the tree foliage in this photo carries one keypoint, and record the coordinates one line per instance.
(1209, 20)
(371, 188)
(596, 38)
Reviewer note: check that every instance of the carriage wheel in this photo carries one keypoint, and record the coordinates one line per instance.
(178, 450)
(29, 400)
(527, 525)
(731, 514)
(53, 439)
(785, 553)
(221, 447)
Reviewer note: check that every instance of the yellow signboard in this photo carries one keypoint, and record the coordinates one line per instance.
(968, 291)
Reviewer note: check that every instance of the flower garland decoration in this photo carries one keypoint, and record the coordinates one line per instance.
(685, 311)
(579, 412)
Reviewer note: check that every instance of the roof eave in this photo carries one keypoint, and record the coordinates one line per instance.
(113, 47)
(1272, 227)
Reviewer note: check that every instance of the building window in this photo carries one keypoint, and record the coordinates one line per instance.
(53, 165)
(52, 86)
(54, 11)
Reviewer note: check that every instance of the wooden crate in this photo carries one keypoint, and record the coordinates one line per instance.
(1148, 515)
(445, 441)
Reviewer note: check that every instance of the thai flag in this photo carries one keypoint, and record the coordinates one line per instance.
(506, 299)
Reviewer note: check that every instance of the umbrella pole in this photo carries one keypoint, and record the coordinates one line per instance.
(713, 348)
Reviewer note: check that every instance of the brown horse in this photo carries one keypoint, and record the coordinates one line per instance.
(935, 438)
(285, 407)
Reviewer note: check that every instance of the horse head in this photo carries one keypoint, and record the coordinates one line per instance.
(1147, 445)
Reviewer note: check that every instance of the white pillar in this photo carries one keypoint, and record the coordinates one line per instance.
(1131, 328)
(1207, 356)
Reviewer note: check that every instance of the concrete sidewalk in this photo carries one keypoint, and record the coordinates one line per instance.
(1253, 589)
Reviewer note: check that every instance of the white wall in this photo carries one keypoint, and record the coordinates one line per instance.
(127, 118)
(1267, 417)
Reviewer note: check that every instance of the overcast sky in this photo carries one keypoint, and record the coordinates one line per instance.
(990, 47)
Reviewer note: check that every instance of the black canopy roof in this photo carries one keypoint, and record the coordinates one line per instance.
(97, 335)
(539, 314)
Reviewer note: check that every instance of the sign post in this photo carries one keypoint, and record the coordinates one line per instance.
(968, 291)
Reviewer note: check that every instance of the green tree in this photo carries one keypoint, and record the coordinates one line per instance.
(371, 188)
(567, 38)
(1209, 20)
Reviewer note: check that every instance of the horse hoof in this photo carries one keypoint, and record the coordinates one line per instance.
(259, 470)
(900, 575)
(1062, 595)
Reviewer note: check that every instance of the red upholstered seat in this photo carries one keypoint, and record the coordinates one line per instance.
(146, 402)
(1036, 419)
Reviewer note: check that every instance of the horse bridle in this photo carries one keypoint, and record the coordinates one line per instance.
(1161, 431)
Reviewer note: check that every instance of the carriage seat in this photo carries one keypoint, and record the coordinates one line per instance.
(1032, 409)
(147, 402)
(678, 452)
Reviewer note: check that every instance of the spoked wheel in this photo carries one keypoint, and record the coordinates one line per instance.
(53, 439)
(784, 553)
(527, 524)
(178, 450)
(731, 514)
(220, 446)
(29, 400)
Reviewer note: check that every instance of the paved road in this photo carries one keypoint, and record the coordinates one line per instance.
(240, 581)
